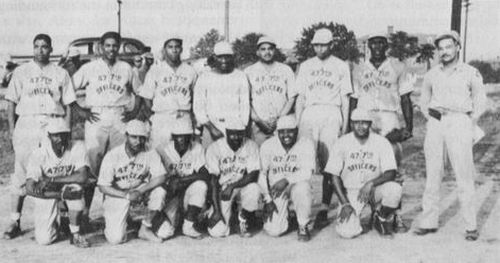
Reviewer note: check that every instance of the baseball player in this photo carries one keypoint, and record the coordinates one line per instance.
(56, 172)
(323, 85)
(270, 83)
(452, 100)
(381, 87)
(167, 91)
(39, 91)
(184, 160)
(233, 164)
(128, 174)
(286, 168)
(363, 168)
(220, 95)
(109, 85)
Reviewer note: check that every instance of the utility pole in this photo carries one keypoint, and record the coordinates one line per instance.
(226, 20)
(456, 15)
(119, 16)
(466, 4)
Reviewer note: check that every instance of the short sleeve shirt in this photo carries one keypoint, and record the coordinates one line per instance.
(192, 161)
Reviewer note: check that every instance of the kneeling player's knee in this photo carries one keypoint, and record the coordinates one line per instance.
(219, 230)
(75, 205)
(44, 239)
(250, 195)
(115, 238)
(197, 193)
(274, 228)
(157, 199)
(199, 187)
(392, 194)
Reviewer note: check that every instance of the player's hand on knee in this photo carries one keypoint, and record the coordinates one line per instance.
(366, 192)
(71, 192)
(269, 210)
(406, 134)
(134, 196)
(225, 194)
(279, 188)
(89, 115)
(345, 213)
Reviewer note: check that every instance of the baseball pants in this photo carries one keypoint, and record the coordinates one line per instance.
(301, 197)
(454, 132)
(206, 138)
(321, 123)
(388, 195)
(249, 198)
(103, 135)
(258, 136)
(116, 212)
(195, 195)
(46, 212)
(29, 134)
(383, 123)
(162, 124)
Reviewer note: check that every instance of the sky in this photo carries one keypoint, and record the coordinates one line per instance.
(153, 20)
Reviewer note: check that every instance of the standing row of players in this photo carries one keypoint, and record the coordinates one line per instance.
(221, 102)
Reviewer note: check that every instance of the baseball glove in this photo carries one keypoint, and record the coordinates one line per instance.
(71, 192)
(396, 135)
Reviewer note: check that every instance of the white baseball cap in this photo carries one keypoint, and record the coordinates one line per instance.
(378, 35)
(57, 125)
(137, 128)
(360, 115)
(73, 52)
(173, 37)
(448, 34)
(286, 122)
(322, 36)
(235, 124)
(183, 126)
(266, 39)
(223, 48)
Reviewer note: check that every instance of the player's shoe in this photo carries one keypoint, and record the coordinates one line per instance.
(147, 234)
(385, 226)
(12, 231)
(243, 224)
(188, 230)
(471, 235)
(424, 231)
(321, 219)
(399, 225)
(78, 240)
(303, 233)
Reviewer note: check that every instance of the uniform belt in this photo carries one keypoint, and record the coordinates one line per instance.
(107, 108)
(445, 111)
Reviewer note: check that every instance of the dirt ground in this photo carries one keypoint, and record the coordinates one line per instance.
(447, 245)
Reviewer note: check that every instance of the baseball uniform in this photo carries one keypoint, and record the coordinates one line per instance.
(358, 163)
(269, 92)
(44, 162)
(322, 84)
(219, 98)
(229, 167)
(126, 173)
(171, 92)
(109, 89)
(297, 166)
(459, 96)
(40, 94)
(191, 162)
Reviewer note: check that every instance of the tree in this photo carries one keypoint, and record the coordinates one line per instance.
(205, 46)
(245, 49)
(426, 54)
(489, 74)
(345, 45)
(402, 46)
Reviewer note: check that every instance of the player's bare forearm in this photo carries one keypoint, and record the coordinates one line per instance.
(385, 177)
(339, 189)
(11, 116)
(407, 108)
(152, 184)
(80, 176)
(247, 179)
(31, 190)
(111, 191)
(288, 106)
(299, 106)
(345, 99)
(215, 193)
(353, 104)
(67, 117)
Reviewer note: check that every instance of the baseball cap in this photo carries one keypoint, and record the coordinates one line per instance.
(73, 52)
(57, 125)
(235, 124)
(377, 35)
(183, 126)
(448, 34)
(266, 39)
(223, 48)
(322, 36)
(148, 55)
(360, 115)
(173, 37)
(137, 128)
(286, 122)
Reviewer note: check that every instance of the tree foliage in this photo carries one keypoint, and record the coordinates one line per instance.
(205, 46)
(425, 54)
(345, 46)
(402, 45)
(489, 74)
(245, 49)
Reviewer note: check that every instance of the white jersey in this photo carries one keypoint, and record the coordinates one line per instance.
(40, 90)
(44, 160)
(228, 165)
(270, 88)
(295, 165)
(192, 161)
(380, 89)
(323, 82)
(170, 89)
(124, 172)
(221, 97)
(106, 86)
(358, 163)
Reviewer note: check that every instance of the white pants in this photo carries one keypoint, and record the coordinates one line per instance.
(162, 124)
(322, 124)
(301, 197)
(195, 195)
(383, 123)
(116, 212)
(249, 198)
(29, 133)
(453, 133)
(46, 213)
(103, 135)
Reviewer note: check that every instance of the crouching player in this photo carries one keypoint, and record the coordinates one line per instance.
(364, 169)
(56, 172)
(287, 166)
(131, 173)
(233, 164)
(184, 160)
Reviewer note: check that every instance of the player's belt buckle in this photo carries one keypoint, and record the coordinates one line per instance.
(221, 119)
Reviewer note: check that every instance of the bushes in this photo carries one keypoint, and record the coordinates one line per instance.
(489, 74)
